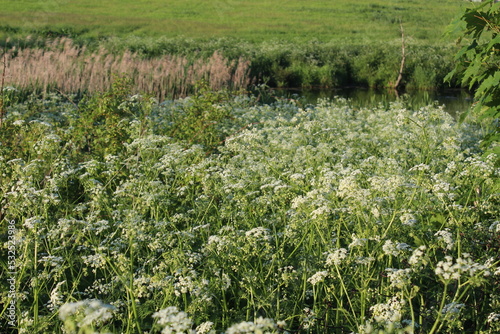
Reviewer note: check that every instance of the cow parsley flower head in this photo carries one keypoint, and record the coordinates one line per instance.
(31, 222)
(318, 277)
(417, 257)
(389, 312)
(452, 309)
(445, 237)
(453, 270)
(395, 248)
(260, 325)
(495, 227)
(357, 242)
(205, 328)
(335, 258)
(399, 278)
(408, 219)
(56, 297)
(90, 312)
(173, 320)
(493, 317)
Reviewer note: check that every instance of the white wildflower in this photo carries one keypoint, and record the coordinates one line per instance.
(95, 261)
(389, 312)
(259, 233)
(421, 167)
(495, 227)
(297, 176)
(493, 317)
(452, 309)
(56, 297)
(417, 257)
(30, 223)
(395, 249)
(399, 278)
(258, 326)
(408, 219)
(320, 211)
(90, 312)
(205, 328)
(309, 319)
(450, 270)
(183, 285)
(335, 258)
(446, 237)
(173, 321)
(317, 277)
(357, 242)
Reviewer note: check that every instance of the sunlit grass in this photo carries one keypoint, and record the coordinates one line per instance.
(255, 20)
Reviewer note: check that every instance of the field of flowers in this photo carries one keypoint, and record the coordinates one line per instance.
(215, 213)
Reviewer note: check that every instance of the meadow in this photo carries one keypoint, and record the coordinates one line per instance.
(362, 21)
(216, 213)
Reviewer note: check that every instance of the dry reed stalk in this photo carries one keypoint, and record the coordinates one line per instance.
(71, 69)
(2, 86)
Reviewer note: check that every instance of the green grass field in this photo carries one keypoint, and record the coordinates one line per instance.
(360, 21)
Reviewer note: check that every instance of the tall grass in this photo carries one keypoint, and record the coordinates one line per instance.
(63, 66)
(170, 67)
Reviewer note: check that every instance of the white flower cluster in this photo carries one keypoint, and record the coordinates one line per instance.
(395, 248)
(318, 277)
(408, 219)
(259, 233)
(258, 326)
(399, 278)
(56, 297)
(173, 321)
(495, 227)
(90, 312)
(189, 283)
(448, 270)
(335, 258)
(417, 257)
(452, 309)
(445, 237)
(389, 312)
(493, 317)
(357, 242)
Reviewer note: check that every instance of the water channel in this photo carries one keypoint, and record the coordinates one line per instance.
(454, 101)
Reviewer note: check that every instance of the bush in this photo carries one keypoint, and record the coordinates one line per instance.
(478, 63)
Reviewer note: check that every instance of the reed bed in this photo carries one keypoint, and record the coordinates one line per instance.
(64, 66)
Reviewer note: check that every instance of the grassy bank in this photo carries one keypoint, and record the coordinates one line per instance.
(362, 21)
(217, 214)
(167, 68)
(283, 44)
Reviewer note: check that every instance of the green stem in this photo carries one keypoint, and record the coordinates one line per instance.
(436, 324)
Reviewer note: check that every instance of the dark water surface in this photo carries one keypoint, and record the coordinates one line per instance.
(454, 101)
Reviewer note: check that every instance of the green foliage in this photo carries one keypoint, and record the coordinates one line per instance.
(297, 209)
(479, 61)
(202, 118)
(101, 126)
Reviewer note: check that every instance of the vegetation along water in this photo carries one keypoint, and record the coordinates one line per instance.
(153, 183)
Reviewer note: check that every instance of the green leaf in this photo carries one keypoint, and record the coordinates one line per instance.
(490, 82)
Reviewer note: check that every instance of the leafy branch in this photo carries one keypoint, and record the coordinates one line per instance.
(478, 61)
